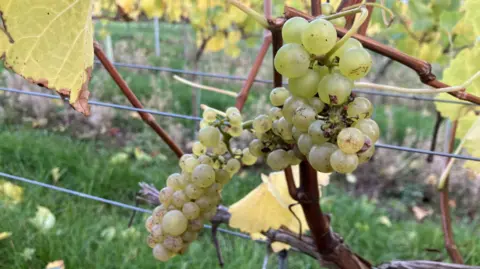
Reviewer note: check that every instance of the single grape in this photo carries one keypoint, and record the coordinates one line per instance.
(306, 85)
(157, 232)
(248, 158)
(291, 105)
(262, 124)
(303, 117)
(366, 155)
(360, 108)
(222, 176)
(190, 164)
(158, 213)
(174, 223)
(173, 243)
(179, 199)
(232, 166)
(319, 157)
(278, 96)
(204, 203)
(213, 190)
(165, 195)
(208, 215)
(198, 148)
(278, 159)
(294, 160)
(220, 149)
(316, 104)
(355, 63)
(292, 60)
(316, 132)
(322, 70)
(296, 133)
(193, 192)
(204, 159)
(369, 127)
(350, 140)
(203, 175)
(209, 115)
(191, 210)
(305, 143)
(340, 22)
(151, 241)
(172, 181)
(349, 44)
(255, 147)
(292, 30)
(209, 136)
(235, 118)
(161, 253)
(204, 123)
(343, 162)
(189, 236)
(149, 224)
(334, 89)
(284, 128)
(235, 131)
(275, 113)
(195, 225)
(182, 160)
(319, 37)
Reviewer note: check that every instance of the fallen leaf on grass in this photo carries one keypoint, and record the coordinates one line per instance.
(44, 220)
(28, 253)
(421, 213)
(10, 192)
(5, 235)
(385, 221)
(56, 265)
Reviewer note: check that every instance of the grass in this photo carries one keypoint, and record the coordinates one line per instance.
(76, 237)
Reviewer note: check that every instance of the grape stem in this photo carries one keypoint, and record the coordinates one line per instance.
(358, 22)
(204, 87)
(247, 124)
(341, 14)
(221, 113)
(381, 6)
(250, 12)
(414, 90)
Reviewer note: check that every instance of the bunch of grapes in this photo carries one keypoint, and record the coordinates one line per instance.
(191, 197)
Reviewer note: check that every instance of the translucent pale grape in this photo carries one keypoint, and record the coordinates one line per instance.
(292, 60)
(355, 63)
(319, 157)
(319, 37)
(291, 105)
(316, 132)
(232, 166)
(209, 115)
(334, 89)
(349, 44)
(278, 159)
(369, 127)
(262, 124)
(303, 117)
(174, 223)
(165, 195)
(316, 104)
(193, 192)
(209, 136)
(292, 30)
(256, 146)
(350, 140)
(360, 108)
(161, 253)
(203, 175)
(342, 162)
(366, 155)
(305, 86)
(304, 144)
(173, 243)
(191, 210)
(247, 157)
(198, 148)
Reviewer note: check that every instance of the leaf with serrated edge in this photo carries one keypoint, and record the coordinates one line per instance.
(51, 44)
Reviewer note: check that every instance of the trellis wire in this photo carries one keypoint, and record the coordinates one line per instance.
(266, 81)
(156, 112)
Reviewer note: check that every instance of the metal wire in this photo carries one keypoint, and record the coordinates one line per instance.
(97, 103)
(266, 81)
(155, 112)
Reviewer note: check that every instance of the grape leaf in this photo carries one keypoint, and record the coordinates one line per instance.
(10, 192)
(50, 43)
(472, 16)
(44, 220)
(5, 235)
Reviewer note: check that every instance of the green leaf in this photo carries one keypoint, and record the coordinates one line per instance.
(448, 20)
(472, 15)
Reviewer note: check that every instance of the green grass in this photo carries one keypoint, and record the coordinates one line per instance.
(76, 237)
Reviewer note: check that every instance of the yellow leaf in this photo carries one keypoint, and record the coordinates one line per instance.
(152, 8)
(11, 192)
(52, 45)
(234, 37)
(5, 235)
(232, 51)
(385, 221)
(56, 174)
(472, 16)
(216, 43)
(469, 127)
(44, 220)
(56, 265)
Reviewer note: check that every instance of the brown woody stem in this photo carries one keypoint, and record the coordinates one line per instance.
(146, 117)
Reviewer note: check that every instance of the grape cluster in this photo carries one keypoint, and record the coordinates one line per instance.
(191, 197)
(317, 114)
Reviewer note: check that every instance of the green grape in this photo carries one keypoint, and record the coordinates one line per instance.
(247, 157)
(235, 130)
(304, 144)
(204, 159)
(316, 104)
(343, 162)
(296, 133)
(319, 37)
(369, 127)
(231, 110)
(222, 176)
(256, 147)
(220, 149)
(306, 85)
(360, 108)
(203, 124)
(349, 44)
(173, 243)
(232, 166)
(157, 232)
(322, 70)
(209, 136)
(195, 225)
(190, 164)
(198, 148)
(340, 22)
(158, 213)
(275, 113)
(350, 140)
(366, 155)
(334, 89)
(327, 9)
(283, 128)
(165, 195)
(149, 224)
(161, 253)
(235, 118)
(209, 115)
(208, 215)
(292, 30)
(179, 199)
(203, 175)
(278, 96)
(292, 60)
(212, 190)
(193, 191)
(294, 160)
(191, 210)
(303, 117)
(319, 157)
(262, 124)
(278, 159)
(151, 241)
(174, 223)
(355, 63)
(184, 157)
(189, 236)
(316, 132)
(204, 203)
(172, 181)
(291, 105)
